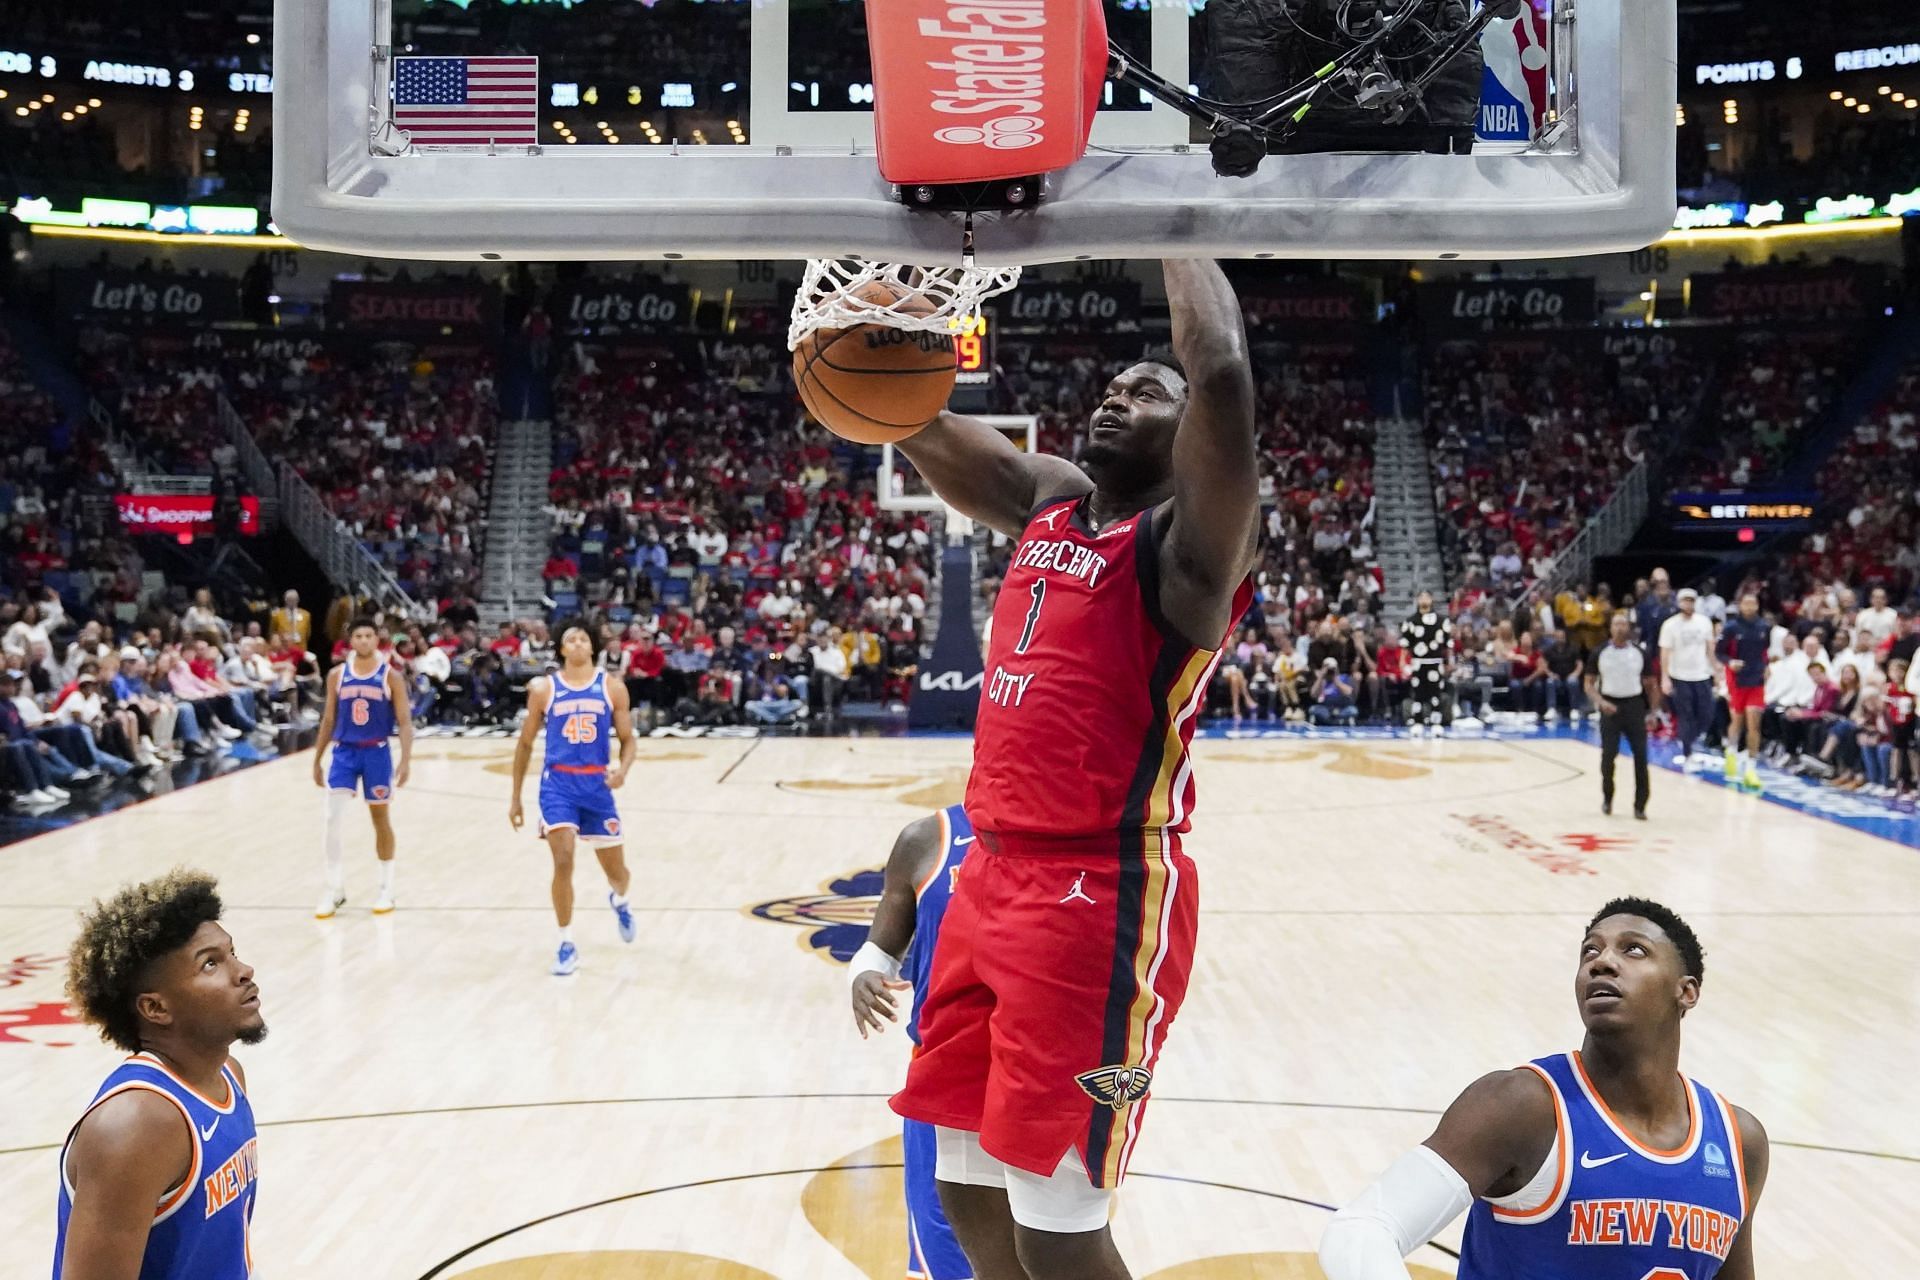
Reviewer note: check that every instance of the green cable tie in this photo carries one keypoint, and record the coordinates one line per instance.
(1302, 112)
(1322, 73)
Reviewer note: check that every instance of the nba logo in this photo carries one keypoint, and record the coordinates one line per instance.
(1513, 87)
(1716, 1162)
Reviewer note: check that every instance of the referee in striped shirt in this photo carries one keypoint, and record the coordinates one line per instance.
(1613, 686)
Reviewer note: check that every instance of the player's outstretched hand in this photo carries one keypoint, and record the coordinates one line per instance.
(615, 776)
(873, 1000)
(515, 814)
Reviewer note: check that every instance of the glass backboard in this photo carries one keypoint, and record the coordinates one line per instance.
(607, 129)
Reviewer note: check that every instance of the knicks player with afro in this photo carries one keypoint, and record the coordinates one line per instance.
(1065, 952)
(157, 1176)
(582, 712)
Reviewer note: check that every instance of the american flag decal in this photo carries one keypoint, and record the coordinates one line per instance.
(467, 102)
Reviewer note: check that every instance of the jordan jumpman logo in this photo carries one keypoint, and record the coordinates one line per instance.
(1077, 891)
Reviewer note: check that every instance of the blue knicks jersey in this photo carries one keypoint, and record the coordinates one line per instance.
(365, 713)
(579, 726)
(200, 1228)
(1616, 1210)
(933, 894)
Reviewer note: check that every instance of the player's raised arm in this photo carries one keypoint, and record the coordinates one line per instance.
(876, 966)
(978, 472)
(539, 690)
(1489, 1142)
(1215, 526)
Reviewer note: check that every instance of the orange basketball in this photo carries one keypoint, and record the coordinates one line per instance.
(873, 383)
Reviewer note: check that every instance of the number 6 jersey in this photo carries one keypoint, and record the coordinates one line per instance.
(1090, 696)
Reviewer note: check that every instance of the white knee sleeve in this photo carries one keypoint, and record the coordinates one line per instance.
(1065, 1202)
(338, 802)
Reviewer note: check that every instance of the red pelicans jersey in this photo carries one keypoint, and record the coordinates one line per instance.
(1089, 697)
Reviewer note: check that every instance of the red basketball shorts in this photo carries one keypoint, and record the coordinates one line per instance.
(1055, 979)
(1741, 699)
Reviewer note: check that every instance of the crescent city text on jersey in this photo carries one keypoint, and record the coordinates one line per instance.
(1064, 557)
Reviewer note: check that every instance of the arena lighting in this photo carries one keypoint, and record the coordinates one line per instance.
(1787, 231)
(253, 244)
(1884, 90)
(93, 102)
(1836, 95)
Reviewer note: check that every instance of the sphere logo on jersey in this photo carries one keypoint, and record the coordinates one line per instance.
(836, 920)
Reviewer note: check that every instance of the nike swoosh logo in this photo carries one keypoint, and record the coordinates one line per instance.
(206, 1134)
(964, 840)
(1588, 1162)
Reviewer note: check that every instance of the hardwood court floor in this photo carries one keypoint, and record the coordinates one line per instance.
(1382, 923)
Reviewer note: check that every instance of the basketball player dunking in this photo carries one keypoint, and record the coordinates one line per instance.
(1065, 953)
(157, 1177)
(898, 953)
(1606, 1164)
(366, 703)
(581, 710)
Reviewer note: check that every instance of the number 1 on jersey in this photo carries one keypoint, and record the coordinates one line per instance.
(1039, 593)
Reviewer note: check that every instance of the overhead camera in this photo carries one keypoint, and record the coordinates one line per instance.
(1290, 76)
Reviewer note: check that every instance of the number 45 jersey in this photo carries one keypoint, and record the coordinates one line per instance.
(573, 782)
(1090, 696)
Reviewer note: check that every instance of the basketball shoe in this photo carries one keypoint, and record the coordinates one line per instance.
(623, 916)
(566, 961)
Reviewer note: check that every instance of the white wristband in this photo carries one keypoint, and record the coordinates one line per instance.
(871, 959)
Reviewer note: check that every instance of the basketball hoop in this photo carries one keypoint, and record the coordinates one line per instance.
(836, 294)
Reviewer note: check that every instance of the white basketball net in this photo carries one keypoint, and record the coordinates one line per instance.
(940, 299)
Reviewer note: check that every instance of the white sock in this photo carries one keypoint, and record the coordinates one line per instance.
(337, 803)
(619, 899)
(566, 934)
(386, 878)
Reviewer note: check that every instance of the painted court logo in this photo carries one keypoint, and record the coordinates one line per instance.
(836, 920)
(1116, 1087)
